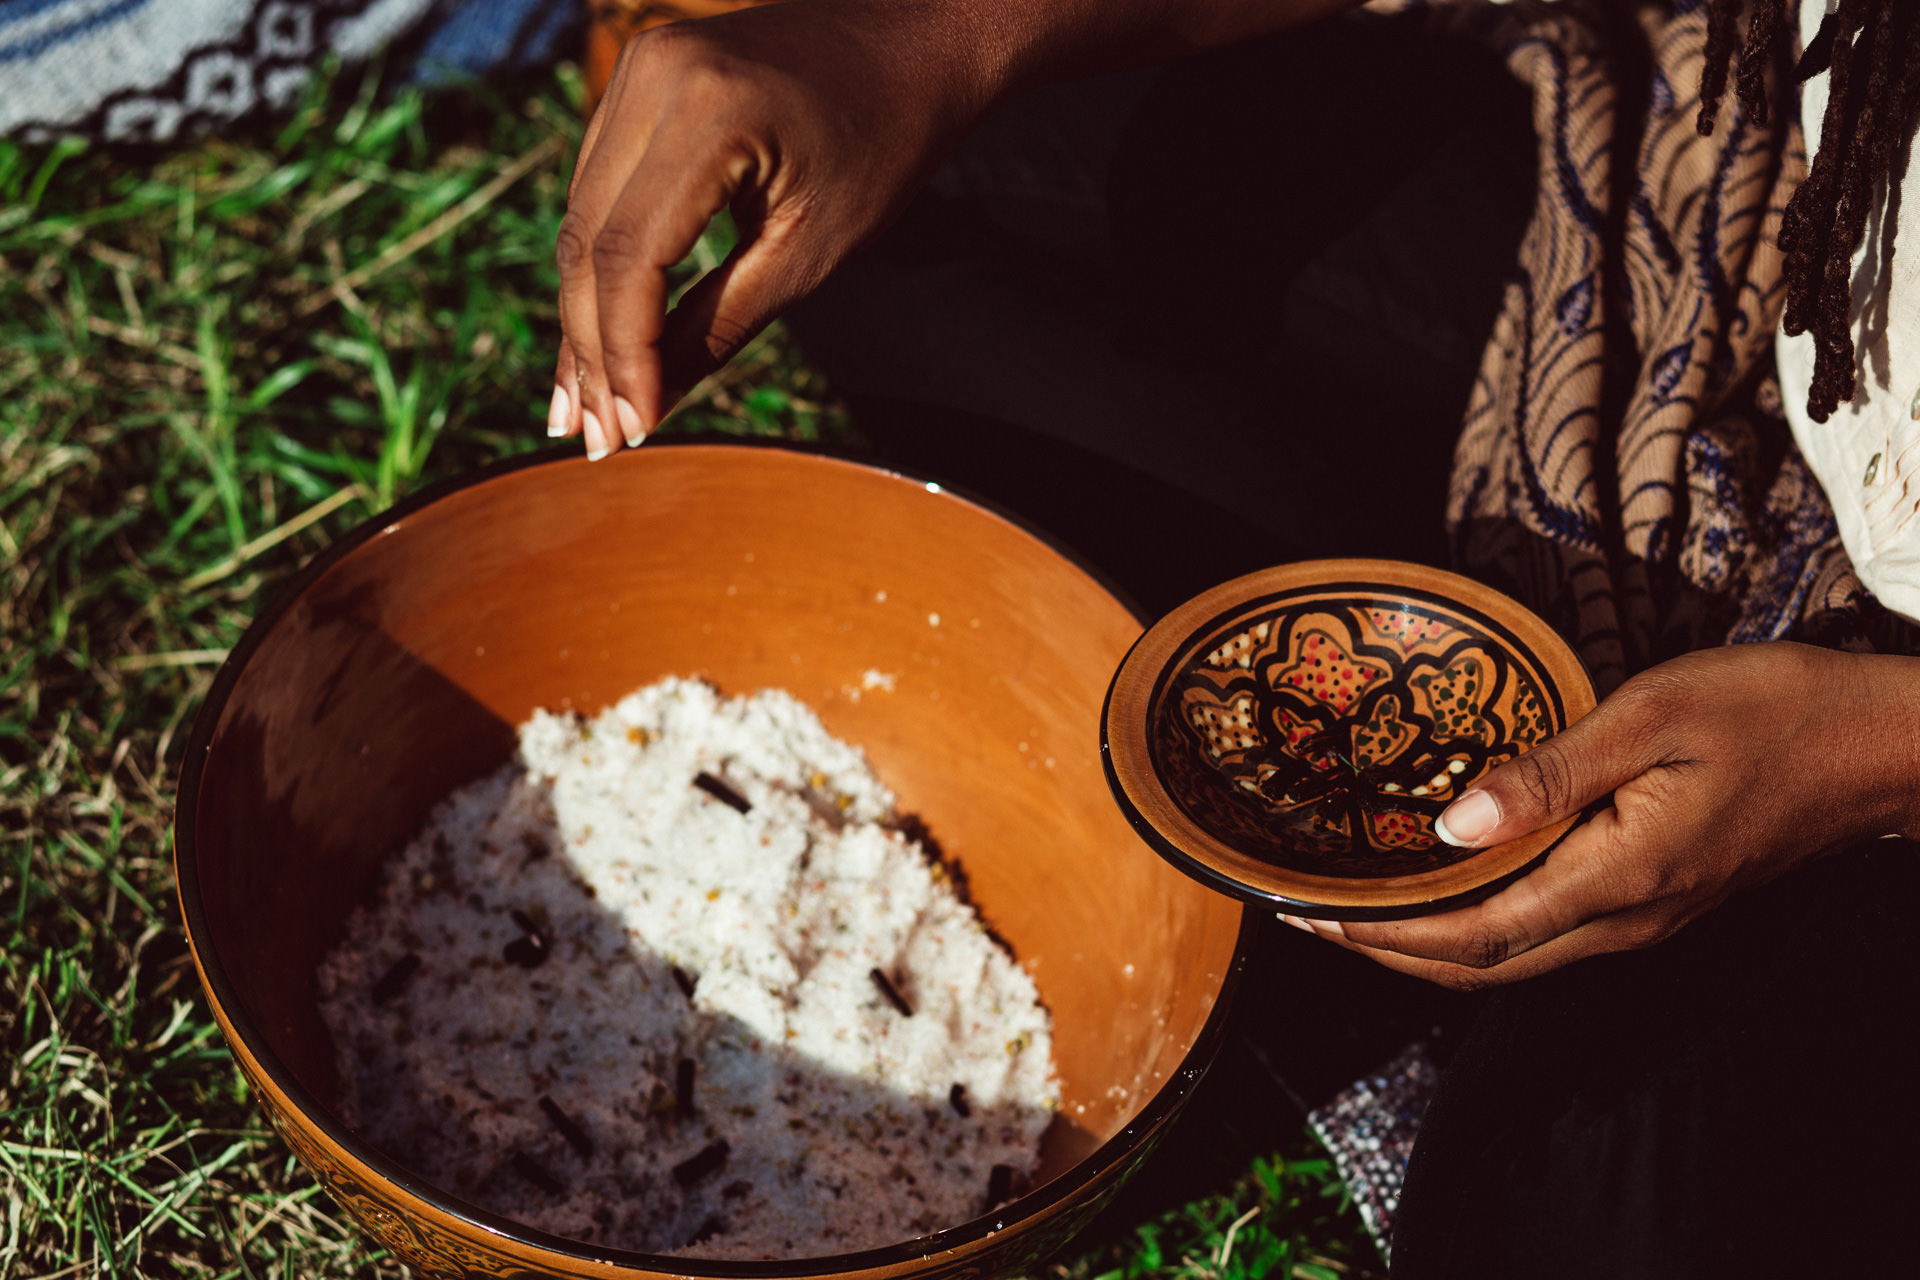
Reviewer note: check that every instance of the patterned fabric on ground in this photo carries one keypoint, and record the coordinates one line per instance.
(1370, 1130)
(150, 71)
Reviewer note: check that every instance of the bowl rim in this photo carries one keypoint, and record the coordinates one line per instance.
(1152, 1116)
(1135, 692)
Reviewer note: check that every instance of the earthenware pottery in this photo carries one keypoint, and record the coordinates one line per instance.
(966, 655)
(1289, 737)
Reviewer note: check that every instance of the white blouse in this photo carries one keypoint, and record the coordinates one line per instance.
(1867, 454)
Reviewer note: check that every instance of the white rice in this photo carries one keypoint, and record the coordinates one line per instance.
(842, 1125)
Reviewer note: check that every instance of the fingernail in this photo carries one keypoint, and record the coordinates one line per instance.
(1467, 820)
(1297, 923)
(629, 418)
(598, 446)
(558, 412)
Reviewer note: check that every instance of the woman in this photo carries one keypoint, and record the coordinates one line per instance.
(1624, 469)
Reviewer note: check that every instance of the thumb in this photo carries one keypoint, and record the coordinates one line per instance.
(1555, 780)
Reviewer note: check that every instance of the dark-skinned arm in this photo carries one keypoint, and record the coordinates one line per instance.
(814, 121)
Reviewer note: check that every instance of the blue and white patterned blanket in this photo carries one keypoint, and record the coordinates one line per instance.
(154, 70)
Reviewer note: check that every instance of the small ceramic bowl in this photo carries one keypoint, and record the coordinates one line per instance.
(1289, 737)
(964, 654)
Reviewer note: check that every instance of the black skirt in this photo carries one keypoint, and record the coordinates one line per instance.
(1741, 1100)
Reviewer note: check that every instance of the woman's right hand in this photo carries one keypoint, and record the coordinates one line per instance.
(813, 122)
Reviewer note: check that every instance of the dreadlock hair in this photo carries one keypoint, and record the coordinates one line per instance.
(1871, 50)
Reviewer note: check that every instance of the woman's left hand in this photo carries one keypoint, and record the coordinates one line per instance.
(1727, 767)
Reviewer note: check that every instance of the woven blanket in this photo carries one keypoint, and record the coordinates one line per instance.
(151, 71)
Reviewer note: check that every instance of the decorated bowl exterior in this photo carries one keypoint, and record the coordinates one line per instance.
(444, 1242)
(1293, 734)
(395, 667)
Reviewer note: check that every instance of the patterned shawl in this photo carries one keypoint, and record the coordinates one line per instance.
(1625, 468)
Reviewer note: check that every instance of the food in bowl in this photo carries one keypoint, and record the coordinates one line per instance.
(679, 980)
(394, 669)
(1292, 735)
(1343, 727)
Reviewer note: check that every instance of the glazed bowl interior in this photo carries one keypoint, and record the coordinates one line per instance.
(397, 668)
(1291, 736)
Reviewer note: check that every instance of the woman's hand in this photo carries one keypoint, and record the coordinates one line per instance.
(814, 121)
(1727, 767)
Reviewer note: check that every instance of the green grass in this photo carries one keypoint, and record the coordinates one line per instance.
(211, 361)
(1287, 1216)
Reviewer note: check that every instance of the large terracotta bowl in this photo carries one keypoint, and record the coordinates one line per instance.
(1290, 736)
(395, 668)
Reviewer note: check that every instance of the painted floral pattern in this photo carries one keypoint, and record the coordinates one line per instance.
(1342, 729)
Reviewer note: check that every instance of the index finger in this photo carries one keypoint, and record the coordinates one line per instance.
(601, 172)
(1621, 931)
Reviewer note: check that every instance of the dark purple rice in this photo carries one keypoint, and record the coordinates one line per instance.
(707, 1160)
(683, 1086)
(536, 1173)
(706, 1231)
(683, 980)
(576, 1136)
(395, 978)
(892, 993)
(957, 1096)
(529, 951)
(722, 792)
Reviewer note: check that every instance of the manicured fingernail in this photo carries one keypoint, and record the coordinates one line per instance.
(1297, 923)
(598, 446)
(558, 412)
(1329, 926)
(629, 417)
(1467, 820)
